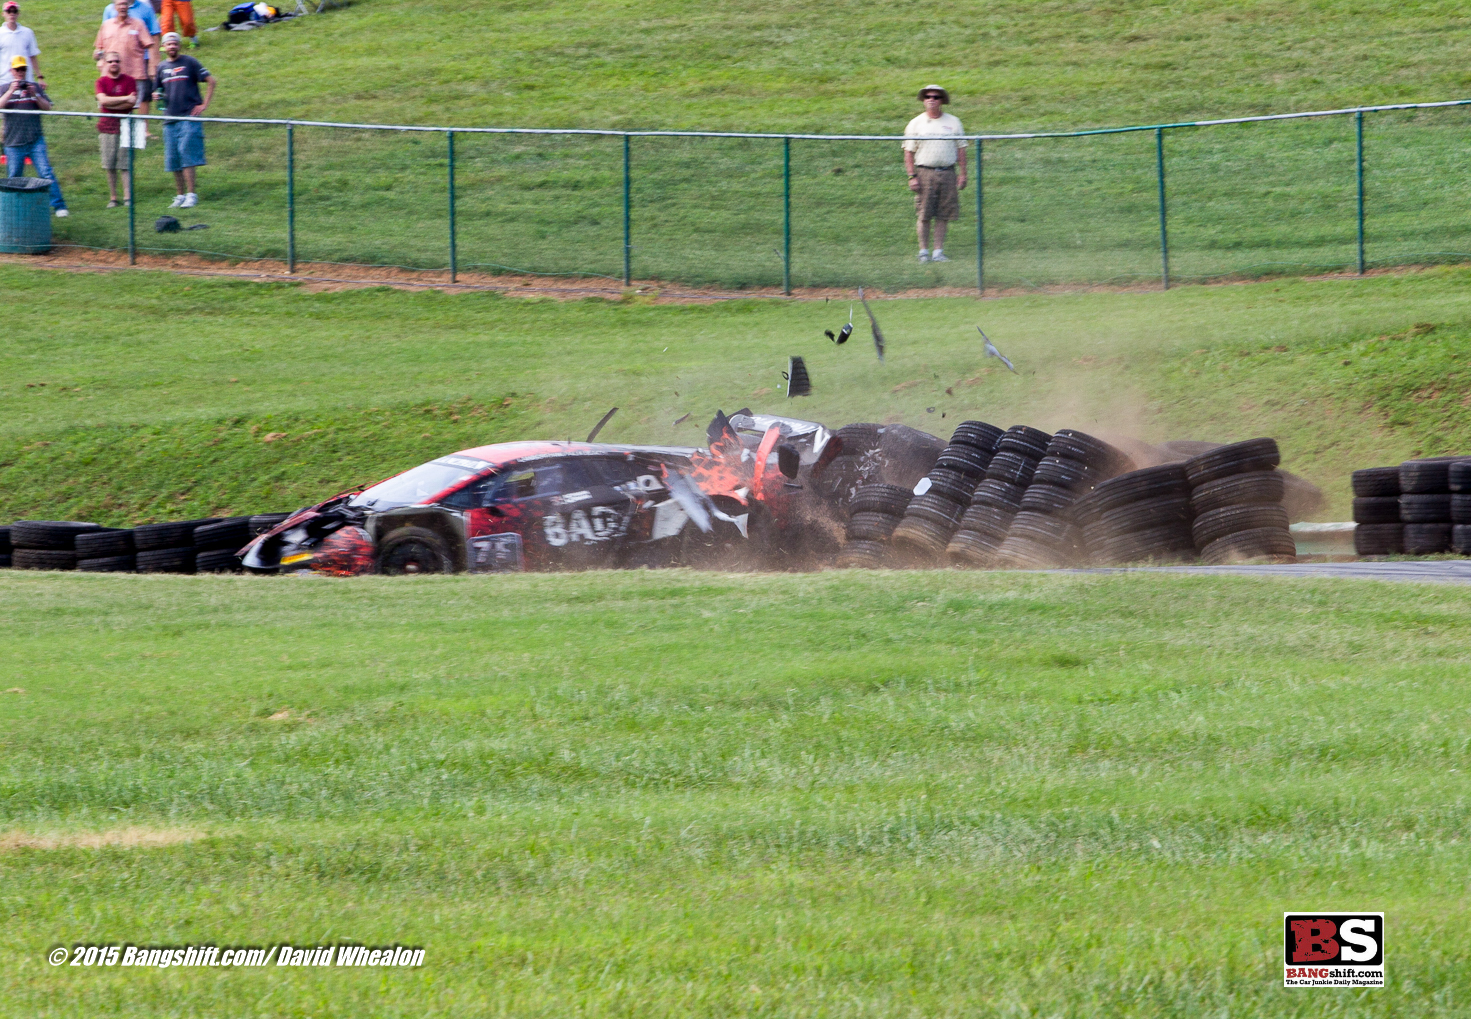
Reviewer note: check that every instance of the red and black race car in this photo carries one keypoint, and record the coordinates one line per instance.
(563, 505)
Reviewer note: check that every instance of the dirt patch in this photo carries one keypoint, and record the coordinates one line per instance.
(124, 838)
(325, 277)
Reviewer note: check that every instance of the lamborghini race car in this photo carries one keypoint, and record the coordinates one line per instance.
(562, 505)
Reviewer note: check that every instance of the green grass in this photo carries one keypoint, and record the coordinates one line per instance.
(150, 397)
(682, 794)
(1254, 200)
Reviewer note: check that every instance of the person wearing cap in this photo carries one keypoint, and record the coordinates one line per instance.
(183, 140)
(116, 93)
(24, 138)
(184, 11)
(18, 41)
(934, 158)
(139, 9)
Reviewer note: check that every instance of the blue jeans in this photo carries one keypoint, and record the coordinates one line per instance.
(183, 144)
(15, 166)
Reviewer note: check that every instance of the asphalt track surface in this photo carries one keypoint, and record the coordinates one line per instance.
(1434, 572)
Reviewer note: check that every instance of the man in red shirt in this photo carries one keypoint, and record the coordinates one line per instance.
(116, 93)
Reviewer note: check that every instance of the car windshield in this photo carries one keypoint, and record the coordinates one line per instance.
(418, 484)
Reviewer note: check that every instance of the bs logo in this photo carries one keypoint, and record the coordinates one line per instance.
(1333, 949)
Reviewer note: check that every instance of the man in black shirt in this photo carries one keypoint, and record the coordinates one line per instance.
(23, 135)
(183, 140)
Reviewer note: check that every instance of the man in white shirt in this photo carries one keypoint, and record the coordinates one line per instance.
(934, 158)
(18, 41)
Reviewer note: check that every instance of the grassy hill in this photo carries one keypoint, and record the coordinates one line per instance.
(831, 67)
(1250, 200)
(152, 396)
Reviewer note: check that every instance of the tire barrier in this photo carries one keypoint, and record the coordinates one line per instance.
(1421, 507)
(207, 545)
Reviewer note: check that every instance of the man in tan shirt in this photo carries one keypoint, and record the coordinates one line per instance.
(134, 45)
(934, 158)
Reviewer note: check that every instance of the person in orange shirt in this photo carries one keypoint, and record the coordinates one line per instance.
(185, 10)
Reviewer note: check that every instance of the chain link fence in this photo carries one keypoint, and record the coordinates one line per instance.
(1300, 193)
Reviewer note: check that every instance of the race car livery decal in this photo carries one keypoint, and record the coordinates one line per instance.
(601, 523)
(465, 462)
(346, 552)
(496, 553)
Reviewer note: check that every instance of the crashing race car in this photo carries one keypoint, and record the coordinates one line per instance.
(565, 505)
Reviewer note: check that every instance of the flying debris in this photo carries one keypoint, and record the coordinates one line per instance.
(599, 426)
(878, 334)
(798, 384)
(681, 420)
(991, 351)
(843, 334)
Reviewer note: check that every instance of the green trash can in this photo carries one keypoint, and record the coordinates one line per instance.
(25, 215)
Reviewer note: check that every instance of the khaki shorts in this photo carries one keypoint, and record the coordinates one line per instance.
(937, 197)
(114, 156)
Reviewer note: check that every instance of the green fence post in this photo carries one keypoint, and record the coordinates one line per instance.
(453, 252)
(786, 216)
(627, 202)
(1164, 237)
(1359, 126)
(453, 249)
(980, 230)
(131, 126)
(290, 198)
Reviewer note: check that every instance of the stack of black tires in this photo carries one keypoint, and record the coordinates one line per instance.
(5, 548)
(1459, 477)
(47, 544)
(1377, 530)
(168, 548)
(1140, 516)
(1237, 501)
(934, 515)
(1425, 502)
(1018, 454)
(1045, 529)
(215, 544)
(106, 552)
(874, 512)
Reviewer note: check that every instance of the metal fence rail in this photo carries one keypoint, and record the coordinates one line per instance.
(1243, 196)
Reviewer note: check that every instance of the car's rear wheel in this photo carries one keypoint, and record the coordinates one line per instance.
(412, 550)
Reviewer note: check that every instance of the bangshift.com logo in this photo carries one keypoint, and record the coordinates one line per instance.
(1333, 950)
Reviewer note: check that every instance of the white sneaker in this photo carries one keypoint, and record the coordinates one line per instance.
(190, 200)
(177, 202)
(939, 256)
(62, 214)
(924, 255)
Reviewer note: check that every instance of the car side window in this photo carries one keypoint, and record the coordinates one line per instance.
(610, 471)
(474, 494)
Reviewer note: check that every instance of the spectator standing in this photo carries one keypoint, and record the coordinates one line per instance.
(934, 158)
(184, 10)
(18, 41)
(134, 44)
(140, 9)
(23, 135)
(183, 140)
(116, 93)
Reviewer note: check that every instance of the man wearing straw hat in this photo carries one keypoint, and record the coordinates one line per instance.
(934, 158)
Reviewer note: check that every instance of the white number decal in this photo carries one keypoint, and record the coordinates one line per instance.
(555, 532)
